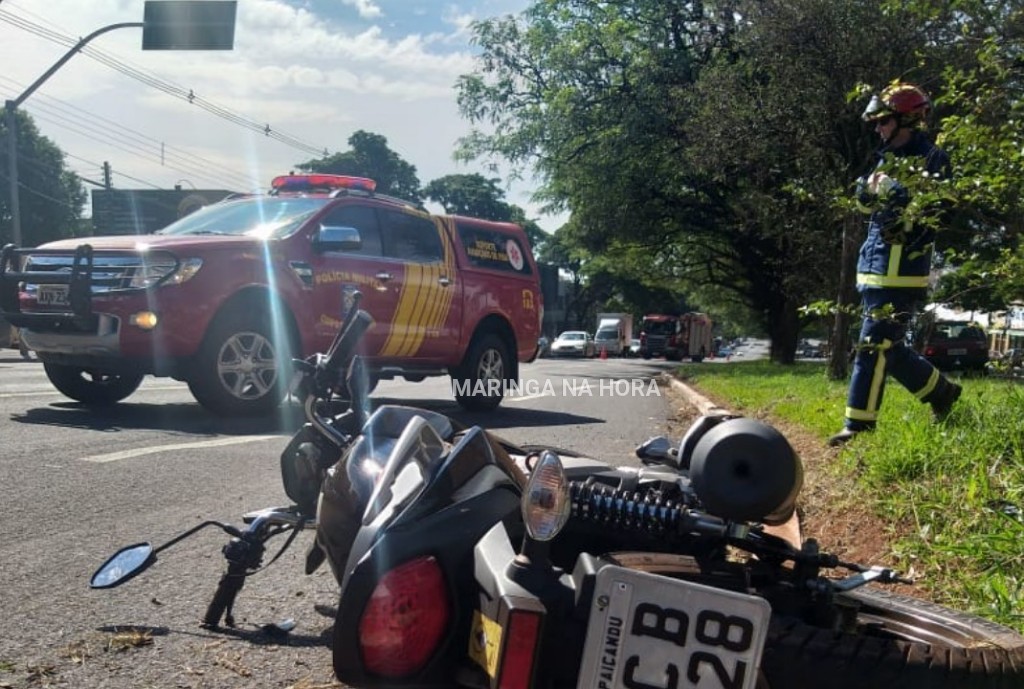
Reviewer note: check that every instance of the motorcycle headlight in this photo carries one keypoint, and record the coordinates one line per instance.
(151, 273)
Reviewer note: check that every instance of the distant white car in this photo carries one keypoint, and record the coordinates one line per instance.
(573, 343)
(634, 347)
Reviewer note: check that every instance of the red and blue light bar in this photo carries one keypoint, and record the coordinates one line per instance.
(321, 181)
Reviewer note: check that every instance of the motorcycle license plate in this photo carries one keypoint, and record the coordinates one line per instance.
(648, 630)
(52, 295)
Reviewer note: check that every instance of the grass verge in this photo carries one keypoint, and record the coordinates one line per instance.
(952, 493)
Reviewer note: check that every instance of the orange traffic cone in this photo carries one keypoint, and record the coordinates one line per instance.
(604, 353)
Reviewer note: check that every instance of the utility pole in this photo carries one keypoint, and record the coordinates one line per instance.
(10, 108)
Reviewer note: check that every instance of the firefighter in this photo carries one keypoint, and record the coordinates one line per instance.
(893, 266)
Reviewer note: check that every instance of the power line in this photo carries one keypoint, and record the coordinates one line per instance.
(177, 91)
(187, 158)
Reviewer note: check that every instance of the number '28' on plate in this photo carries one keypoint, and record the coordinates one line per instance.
(654, 632)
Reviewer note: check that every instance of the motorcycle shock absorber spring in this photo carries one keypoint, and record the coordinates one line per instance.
(647, 512)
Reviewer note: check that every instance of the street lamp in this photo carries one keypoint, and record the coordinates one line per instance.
(166, 25)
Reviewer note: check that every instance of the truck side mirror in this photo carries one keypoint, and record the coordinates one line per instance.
(329, 238)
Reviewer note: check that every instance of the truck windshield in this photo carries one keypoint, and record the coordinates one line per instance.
(607, 334)
(260, 217)
(659, 327)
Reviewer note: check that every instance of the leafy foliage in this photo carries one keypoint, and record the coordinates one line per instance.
(371, 157)
(721, 140)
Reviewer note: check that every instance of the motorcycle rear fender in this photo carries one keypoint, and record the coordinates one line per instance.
(507, 584)
(448, 535)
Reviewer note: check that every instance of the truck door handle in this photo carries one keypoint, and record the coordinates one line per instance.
(384, 275)
(444, 281)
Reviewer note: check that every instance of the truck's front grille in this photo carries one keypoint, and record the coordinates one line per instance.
(109, 273)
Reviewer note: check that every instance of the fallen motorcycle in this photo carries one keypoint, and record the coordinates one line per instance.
(465, 560)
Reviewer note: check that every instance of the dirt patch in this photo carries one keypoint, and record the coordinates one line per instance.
(828, 507)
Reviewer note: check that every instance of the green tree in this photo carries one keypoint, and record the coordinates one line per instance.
(371, 157)
(720, 140)
(51, 196)
(473, 195)
(481, 197)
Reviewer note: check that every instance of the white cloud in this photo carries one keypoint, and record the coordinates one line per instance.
(300, 73)
(367, 9)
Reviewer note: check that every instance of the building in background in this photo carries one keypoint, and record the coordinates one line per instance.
(144, 211)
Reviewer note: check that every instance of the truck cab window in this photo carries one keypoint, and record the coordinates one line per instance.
(410, 237)
(364, 219)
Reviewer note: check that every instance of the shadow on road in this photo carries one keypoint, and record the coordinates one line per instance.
(505, 416)
(185, 418)
(191, 419)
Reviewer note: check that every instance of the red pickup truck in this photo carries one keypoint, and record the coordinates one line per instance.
(224, 298)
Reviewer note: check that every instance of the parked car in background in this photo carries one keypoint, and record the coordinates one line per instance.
(634, 347)
(573, 343)
(956, 345)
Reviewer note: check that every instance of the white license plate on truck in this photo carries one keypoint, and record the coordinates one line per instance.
(649, 630)
(52, 295)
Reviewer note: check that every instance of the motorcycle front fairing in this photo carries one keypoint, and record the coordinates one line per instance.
(431, 499)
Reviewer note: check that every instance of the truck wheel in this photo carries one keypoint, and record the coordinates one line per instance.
(92, 387)
(486, 362)
(240, 370)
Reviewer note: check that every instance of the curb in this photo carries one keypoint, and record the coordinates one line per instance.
(703, 404)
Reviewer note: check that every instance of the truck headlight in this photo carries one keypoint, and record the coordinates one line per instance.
(151, 273)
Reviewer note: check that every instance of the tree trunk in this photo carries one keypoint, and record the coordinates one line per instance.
(784, 329)
(846, 300)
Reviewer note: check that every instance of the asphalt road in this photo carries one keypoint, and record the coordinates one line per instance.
(78, 484)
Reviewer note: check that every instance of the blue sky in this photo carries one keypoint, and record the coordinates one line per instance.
(313, 70)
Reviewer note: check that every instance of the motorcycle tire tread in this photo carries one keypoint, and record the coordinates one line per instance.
(800, 656)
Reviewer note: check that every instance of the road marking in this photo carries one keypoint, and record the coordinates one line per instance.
(154, 449)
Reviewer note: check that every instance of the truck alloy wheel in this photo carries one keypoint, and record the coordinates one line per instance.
(482, 374)
(92, 387)
(239, 368)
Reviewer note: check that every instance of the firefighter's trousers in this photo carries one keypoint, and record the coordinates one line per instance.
(882, 350)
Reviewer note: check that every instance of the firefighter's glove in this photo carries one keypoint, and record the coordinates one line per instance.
(894, 232)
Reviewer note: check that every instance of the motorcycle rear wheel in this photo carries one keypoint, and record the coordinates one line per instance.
(900, 641)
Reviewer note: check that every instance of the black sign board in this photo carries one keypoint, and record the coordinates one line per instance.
(142, 211)
(189, 25)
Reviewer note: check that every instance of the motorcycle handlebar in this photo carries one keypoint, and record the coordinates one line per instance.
(231, 582)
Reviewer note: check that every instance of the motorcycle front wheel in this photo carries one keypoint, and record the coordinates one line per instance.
(899, 641)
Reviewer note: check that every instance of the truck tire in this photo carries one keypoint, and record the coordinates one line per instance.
(92, 388)
(486, 361)
(899, 641)
(239, 370)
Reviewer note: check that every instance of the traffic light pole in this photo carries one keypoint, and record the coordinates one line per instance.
(10, 108)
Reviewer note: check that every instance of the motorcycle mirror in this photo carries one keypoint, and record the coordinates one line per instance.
(657, 450)
(123, 565)
(546, 498)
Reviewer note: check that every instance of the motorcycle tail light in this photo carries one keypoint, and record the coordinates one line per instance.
(405, 619)
(520, 650)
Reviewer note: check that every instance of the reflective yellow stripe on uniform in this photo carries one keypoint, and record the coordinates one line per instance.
(861, 415)
(892, 277)
(877, 378)
(933, 380)
(887, 281)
